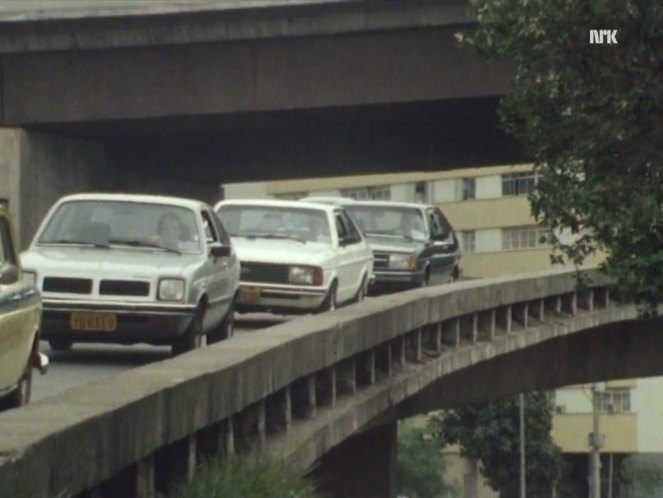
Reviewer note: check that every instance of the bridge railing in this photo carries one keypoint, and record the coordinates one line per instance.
(137, 432)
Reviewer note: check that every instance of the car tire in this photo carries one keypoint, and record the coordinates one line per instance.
(60, 344)
(225, 329)
(424, 282)
(361, 292)
(192, 338)
(21, 395)
(330, 303)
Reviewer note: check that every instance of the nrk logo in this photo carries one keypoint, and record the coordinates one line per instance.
(601, 36)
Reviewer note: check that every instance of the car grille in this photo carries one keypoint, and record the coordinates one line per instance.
(124, 288)
(381, 260)
(67, 285)
(264, 272)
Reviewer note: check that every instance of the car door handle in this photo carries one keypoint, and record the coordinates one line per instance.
(14, 298)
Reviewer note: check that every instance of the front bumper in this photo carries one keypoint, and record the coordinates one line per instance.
(397, 279)
(152, 323)
(279, 298)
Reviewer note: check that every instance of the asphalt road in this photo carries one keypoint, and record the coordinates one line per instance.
(89, 362)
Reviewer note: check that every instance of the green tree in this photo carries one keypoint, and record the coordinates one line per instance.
(491, 433)
(420, 465)
(590, 116)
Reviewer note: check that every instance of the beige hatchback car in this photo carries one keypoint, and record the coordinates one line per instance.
(20, 319)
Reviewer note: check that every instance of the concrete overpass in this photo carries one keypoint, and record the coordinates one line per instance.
(172, 98)
(326, 389)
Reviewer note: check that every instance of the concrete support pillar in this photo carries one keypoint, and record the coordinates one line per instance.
(586, 300)
(383, 359)
(570, 303)
(145, 487)
(503, 319)
(485, 325)
(250, 428)
(468, 329)
(325, 384)
(304, 401)
(519, 314)
(279, 411)
(366, 368)
(536, 310)
(175, 463)
(437, 337)
(363, 466)
(451, 333)
(346, 377)
(413, 346)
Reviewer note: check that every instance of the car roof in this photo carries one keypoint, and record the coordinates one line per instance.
(140, 198)
(276, 203)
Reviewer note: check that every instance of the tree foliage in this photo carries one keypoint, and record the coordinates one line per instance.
(491, 433)
(591, 118)
(421, 466)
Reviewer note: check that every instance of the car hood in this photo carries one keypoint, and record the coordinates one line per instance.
(393, 244)
(116, 262)
(280, 251)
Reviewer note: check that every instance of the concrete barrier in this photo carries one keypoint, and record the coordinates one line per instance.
(293, 390)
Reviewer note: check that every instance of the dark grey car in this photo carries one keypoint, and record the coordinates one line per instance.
(414, 245)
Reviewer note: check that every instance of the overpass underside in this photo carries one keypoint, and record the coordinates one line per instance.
(181, 119)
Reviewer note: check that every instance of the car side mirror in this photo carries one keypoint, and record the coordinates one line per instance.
(220, 251)
(9, 274)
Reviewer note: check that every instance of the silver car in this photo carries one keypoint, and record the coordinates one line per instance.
(296, 257)
(119, 268)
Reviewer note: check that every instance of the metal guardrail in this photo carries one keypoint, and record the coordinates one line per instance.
(293, 390)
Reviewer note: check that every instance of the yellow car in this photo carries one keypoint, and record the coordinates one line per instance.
(20, 318)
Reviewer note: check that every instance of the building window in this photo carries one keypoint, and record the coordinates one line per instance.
(519, 183)
(469, 241)
(528, 237)
(465, 189)
(615, 401)
(366, 193)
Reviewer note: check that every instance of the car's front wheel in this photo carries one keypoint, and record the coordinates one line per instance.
(21, 395)
(329, 304)
(192, 338)
(225, 329)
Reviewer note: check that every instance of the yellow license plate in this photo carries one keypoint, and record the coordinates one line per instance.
(250, 294)
(93, 322)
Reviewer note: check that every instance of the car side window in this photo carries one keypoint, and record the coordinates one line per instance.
(210, 231)
(341, 229)
(6, 253)
(353, 235)
(223, 235)
(438, 228)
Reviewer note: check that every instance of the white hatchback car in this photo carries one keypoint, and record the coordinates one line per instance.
(296, 257)
(133, 268)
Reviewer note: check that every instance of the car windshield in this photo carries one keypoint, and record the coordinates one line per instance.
(299, 224)
(393, 221)
(119, 223)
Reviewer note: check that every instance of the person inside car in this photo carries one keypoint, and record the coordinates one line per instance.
(319, 230)
(172, 233)
(413, 225)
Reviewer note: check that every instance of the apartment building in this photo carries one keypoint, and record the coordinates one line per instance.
(488, 207)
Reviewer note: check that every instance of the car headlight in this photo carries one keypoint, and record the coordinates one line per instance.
(171, 289)
(402, 262)
(306, 275)
(30, 277)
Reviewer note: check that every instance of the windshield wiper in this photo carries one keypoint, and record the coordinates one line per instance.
(79, 242)
(142, 243)
(271, 236)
